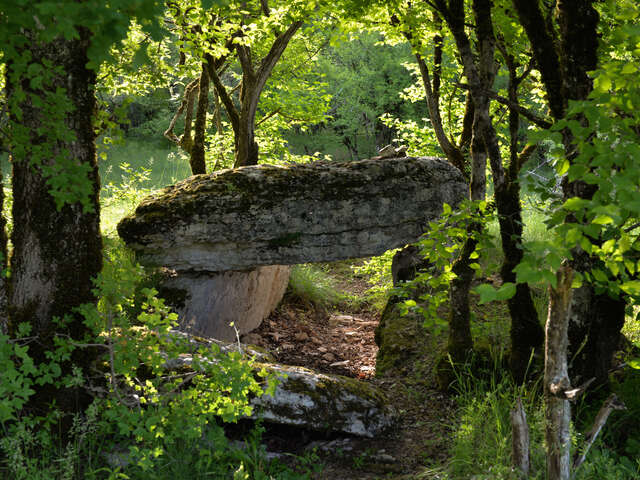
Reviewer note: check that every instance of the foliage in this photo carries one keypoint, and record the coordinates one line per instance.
(440, 247)
(377, 271)
(67, 179)
(147, 405)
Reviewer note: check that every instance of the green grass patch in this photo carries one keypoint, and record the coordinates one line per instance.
(310, 285)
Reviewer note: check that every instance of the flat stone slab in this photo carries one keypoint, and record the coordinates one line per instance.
(281, 215)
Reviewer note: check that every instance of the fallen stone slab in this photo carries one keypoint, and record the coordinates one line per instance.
(208, 303)
(281, 215)
(330, 403)
(317, 401)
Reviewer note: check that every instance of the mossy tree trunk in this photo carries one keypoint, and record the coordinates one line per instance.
(197, 157)
(596, 318)
(56, 251)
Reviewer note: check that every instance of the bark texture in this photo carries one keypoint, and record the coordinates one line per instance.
(56, 251)
(4, 287)
(556, 378)
(196, 159)
(520, 439)
(596, 319)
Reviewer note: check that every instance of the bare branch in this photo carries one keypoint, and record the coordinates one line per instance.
(528, 114)
(520, 438)
(225, 97)
(188, 92)
(612, 403)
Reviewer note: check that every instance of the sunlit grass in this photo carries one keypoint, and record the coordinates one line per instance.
(132, 171)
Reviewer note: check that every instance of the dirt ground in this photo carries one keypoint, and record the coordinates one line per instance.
(342, 343)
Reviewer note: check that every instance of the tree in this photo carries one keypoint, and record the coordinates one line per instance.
(564, 62)
(479, 130)
(57, 248)
(243, 31)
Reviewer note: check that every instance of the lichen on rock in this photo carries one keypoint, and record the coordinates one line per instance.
(281, 215)
(325, 402)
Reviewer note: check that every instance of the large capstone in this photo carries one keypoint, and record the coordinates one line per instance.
(280, 215)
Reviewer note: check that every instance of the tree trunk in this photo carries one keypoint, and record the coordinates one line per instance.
(556, 379)
(460, 342)
(4, 316)
(245, 144)
(594, 334)
(196, 159)
(596, 319)
(56, 251)
(526, 332)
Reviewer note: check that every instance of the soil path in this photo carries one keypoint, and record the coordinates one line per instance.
(342, 342)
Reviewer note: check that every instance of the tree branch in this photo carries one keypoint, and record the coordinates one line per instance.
(612, 403)
(275, 52)
(528, 114)
(225, 98)
(187, 96)
(544, 52)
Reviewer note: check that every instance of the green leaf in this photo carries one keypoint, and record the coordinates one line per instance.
(602, 220)
(635, 363)
(486, 292)
(631, 287)
(506, 291)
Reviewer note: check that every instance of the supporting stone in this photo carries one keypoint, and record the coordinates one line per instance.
(208, 303)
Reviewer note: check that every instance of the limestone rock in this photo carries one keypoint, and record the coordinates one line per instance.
(207, 303)
(316, 401)
(280, 215)
(325, 402)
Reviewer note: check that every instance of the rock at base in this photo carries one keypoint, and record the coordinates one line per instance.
(399, 339)
(322, 402)
(207, 302)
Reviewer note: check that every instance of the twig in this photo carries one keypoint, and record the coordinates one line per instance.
(612, 403)
(525, 112)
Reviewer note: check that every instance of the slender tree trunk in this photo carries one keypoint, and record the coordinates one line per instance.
(460, 342)
(196, 159)
(4, 292)
(56, 251)
(556, 379)
(526, 332)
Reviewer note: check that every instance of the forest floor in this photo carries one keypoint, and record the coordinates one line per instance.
(342, 342)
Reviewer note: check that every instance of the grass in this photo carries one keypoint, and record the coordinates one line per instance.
(310, 285)
(130, 172)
